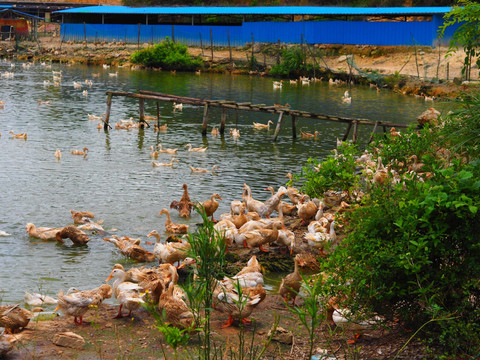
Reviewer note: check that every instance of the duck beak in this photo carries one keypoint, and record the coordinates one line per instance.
(181, 266)
(58, 307)
(109, 278)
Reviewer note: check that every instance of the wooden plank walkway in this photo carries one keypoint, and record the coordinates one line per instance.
(280, 110)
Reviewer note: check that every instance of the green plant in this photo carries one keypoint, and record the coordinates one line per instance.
(167, 55)
(467, 16)
(309, 312)
(292, 63)
(336, 172)
(208, 248)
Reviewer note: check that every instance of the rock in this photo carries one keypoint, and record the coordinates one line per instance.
(342, 58)
(429, 116)
(281, 335)
(69, 339)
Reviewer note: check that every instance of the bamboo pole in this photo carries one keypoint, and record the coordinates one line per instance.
(355, 128)
(230, 50)
(279, 124)
(211, 43)
(201, 43)
(158, 114)
(373, 132)
(416, 57)
(345, 137)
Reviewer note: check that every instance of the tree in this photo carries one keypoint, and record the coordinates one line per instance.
(467, 15)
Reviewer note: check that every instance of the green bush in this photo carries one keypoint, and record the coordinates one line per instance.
(292, 64)
(336, 172)
(167, 55)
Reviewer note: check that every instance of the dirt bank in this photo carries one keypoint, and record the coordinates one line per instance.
(408, 70)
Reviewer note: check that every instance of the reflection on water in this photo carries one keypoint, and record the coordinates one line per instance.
(117, 181)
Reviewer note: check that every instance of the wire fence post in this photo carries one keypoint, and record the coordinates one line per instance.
(138, 37)
(416, 58)
(201, 43)
(278, 52)
(84, 32)
(211, 43)
(230, 50)
(173, 34)
(253, 46)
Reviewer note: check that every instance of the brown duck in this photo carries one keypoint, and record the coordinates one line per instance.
(172, 227)
(211, 205)
(71, 232)
(13, 317)
(130, 249)
(184, 206)
(290, 285)
(78, 216)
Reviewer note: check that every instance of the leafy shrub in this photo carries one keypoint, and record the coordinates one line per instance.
(292, 63)
(336, 172)
(167, 55)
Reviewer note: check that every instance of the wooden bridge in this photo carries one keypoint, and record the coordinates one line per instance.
(280, 110)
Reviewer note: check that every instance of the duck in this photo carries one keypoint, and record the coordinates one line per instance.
(13, 317)
(215, 132)
(293, 194)
(235, 133)
(237, 207)
(115, 74)
(184, 206)
(227, 301)
(40, 102)
(227, 230)
(77, 85)
(177, 313)
(150, 117)
(166, 151)
(250, 202)
(272, 203)
(172, 227)
(36, 299)
(237, 220)
(58, 154)
(346, 98)
(249, 276)
(80, 217)
(416, 166)
(83, 152)
(171, 253)
(306, 135)
(151, 281)
(306, 210)
(202, 170)
(286, 238)
(42, 233)
(85, 92)
(381, 174)
(126, 293)
(178, 107)
(319, 239)
(277, 84)
(131, 249)
(18, 136)
(260, 126)
(170, 164)
(283, 206)
(6, 344)
(153, 153)
(71, 232)
(76, 304)
(210, 206)
(198, 149)
(197, 72)
(4, 233)
(258, 238)
(291, 283)
(157, 128)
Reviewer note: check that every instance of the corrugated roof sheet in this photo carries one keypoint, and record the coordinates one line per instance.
(5, 6)
(30, 16)
(260, 10)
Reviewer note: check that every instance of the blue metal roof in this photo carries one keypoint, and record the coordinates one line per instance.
(5, 6)
(260, 10)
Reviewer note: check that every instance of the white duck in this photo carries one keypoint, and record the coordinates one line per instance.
(271, 204)
(127, 293)
(35, 299)
(250, 202)
(43, 233)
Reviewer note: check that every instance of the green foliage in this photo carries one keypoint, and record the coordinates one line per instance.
(167, 55)
(462, 126)
(336, 172)
(292, 63)
(467, 14)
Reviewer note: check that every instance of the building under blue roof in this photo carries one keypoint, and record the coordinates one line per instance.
(267, 24)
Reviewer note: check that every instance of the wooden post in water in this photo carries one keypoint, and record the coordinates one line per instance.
(294, 127)
(355, 128)
(141, 105)
(222, 121)
(345, 137)
(279, 124)
(205, 120)
(158, 114)
(373, 132)
(107, 113)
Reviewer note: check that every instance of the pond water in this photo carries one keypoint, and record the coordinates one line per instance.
(117, 181)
